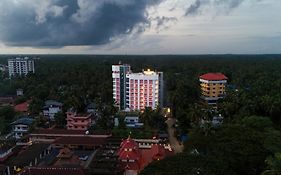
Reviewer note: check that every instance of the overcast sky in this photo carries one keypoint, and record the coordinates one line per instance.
(140, 26)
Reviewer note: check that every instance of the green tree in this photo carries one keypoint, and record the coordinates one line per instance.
(60, 120)
(274, 165)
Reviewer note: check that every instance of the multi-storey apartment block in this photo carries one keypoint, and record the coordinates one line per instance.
(136, 91)
(20, 66)
(119, 73)
(213, 87)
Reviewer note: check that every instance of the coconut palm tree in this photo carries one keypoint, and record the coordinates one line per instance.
(274, 165)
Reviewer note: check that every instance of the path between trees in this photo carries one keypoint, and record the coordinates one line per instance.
(177, 147)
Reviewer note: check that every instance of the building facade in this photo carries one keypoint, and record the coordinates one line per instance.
(21, 126)
(136, 91)
(78, 121)
(51, 108)
(20, 66)
(212, 87)
(119, 73)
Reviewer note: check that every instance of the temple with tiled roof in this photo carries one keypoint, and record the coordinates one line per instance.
(133, 158)
(130, 156)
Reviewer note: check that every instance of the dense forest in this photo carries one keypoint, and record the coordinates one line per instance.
(248, 141)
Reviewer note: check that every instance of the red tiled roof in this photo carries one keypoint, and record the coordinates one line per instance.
(131, 166)
(129, 143)
(22, 107)
(131, 155)
(80, 140)
(53, 171)
(213, 76)
(150, 155)
(157, 151)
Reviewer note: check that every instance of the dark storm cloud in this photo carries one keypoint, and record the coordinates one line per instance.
(193, 9)
(227, 5)
(69, 22)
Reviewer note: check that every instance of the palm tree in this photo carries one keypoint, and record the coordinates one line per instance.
(274, 165)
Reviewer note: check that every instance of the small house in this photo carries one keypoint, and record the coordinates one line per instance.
(51, 108)
(21, 126)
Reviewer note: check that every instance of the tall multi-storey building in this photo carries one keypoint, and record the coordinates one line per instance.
(20, 66)
(135, 91)
(213, 87)
(119, 73)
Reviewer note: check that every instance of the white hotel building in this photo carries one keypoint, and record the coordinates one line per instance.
(20, 66)
(135, 91)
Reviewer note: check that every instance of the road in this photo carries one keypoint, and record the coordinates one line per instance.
(172, 139)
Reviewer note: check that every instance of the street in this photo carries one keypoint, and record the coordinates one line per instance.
(172, 139)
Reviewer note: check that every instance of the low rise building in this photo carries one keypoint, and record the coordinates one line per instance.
(51, 108)
(133, 122)
(53, 170)
(79, 142)
(21, 126)
(50, 135)
(91, 108)
(136, 154)
(28, 156)
(19, 92)
(76, 121)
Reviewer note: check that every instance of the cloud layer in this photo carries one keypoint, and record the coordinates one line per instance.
(220, 5)
(72, 22)
(58, 23)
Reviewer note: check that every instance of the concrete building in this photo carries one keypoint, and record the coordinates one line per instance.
(78, 121)
(50, 135)
(136, 91)
(21, 126)
(212, 87)
(19, 92)
(51, 108)
(133, 122)
(20, 66)
(119, 73)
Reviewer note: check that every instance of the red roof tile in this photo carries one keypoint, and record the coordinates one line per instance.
(80, 140)
(157, 151)
(22, 107)
(131, 155)
(213, 76)
(52, 171)
(129, 143)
